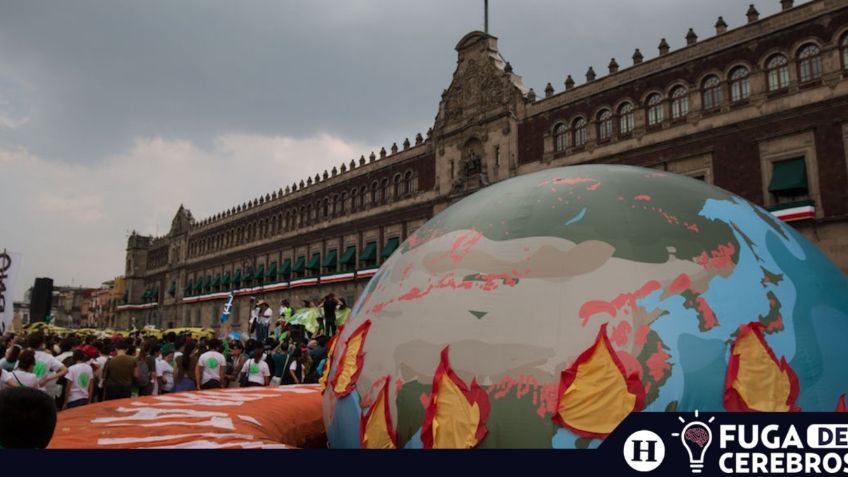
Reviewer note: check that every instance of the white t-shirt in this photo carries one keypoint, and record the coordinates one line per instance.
(46, 364)
(79, 375)
(256, 372)
(100, 361)
(211, 362)
(293, 367)
(26, 379)
(166, 371)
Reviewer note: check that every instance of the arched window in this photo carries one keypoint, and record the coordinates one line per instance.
(353, 197)
(679, 102)
(712, 92)
(809, 63)
(579, 132)
(335, 208)
(407, 183)
(342, 204)
(375, 186)
(326, 210)
(363, 197)
(740, 84)
(384, 190)
(655, 109)
(287, 223)
(396, 187)
(777, 69)
(560, 137)
(316, 211)
(604, 125)
(843, 46)
(303, 216)
(625, 118)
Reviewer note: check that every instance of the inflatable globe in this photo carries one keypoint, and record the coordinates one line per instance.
(542, 310)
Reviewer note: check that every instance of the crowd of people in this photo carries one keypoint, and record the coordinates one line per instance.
(76, 370)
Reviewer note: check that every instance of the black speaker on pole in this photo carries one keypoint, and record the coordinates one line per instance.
(41, 300)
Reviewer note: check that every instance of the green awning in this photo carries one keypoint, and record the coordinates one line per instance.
(314, 262)
(226, 279)
(259, 273)
(237, 276)
(330, 259)
(791, 205)
(299, 265)
(217, 281)
(370, 252)
(286, 267)
(248, 276)
(207, 282)
(188, 285)
(272, 271)
(145, 295)
(789, 176)
(154, 293)
(173, 289)
(199, 284)
(390, 247)
(349, 256)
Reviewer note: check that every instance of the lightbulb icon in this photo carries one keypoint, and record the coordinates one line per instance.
(696, 437)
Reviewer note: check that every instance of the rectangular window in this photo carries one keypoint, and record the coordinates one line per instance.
(497, 155)
(789, 181)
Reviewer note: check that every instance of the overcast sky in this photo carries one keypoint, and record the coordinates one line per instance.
(112, 113)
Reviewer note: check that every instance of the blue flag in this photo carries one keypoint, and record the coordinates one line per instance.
(227, 308)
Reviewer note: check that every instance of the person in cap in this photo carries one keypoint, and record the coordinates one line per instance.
(263, 323)
(165, 368)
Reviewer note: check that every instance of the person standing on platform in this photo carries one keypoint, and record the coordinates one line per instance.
(330, 305)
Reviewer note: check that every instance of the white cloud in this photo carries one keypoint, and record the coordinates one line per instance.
(70, 221)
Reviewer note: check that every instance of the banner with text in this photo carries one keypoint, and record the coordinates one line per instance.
(10, 264)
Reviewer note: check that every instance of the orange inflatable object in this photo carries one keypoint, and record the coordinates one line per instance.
(274, 417)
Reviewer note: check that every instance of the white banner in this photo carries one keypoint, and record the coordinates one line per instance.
(10, 265)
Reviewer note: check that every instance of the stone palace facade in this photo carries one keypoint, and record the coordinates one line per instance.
(760, 110)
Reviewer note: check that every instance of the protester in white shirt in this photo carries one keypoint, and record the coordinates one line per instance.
(256, 369)
(47, 368)
(80, 381)
(164, 370)
(211, 366)
(23, 376)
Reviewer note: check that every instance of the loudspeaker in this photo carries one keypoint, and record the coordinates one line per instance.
(41, 300)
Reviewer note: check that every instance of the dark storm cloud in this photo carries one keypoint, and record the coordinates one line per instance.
(100, 73)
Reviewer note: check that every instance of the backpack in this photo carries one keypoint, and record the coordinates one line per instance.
(143, 379)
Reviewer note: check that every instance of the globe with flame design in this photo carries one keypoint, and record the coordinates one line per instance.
(542, 310)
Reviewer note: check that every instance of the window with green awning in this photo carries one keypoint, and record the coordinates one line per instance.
(145, 295)
(370, 252)
(287, 267)
(248, 276)
(389, 248)
(237, 277)
(198, 286)
(188, 286)
(217, 281)
(154, 294)
(330, 260)
(259, 273)
(299, 265)
(173, 289)
(314, 262)
(349, 256)
(789, 177)
(271, 274)
(225, 280)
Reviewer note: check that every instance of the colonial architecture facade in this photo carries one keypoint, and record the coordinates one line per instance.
(760, 110)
